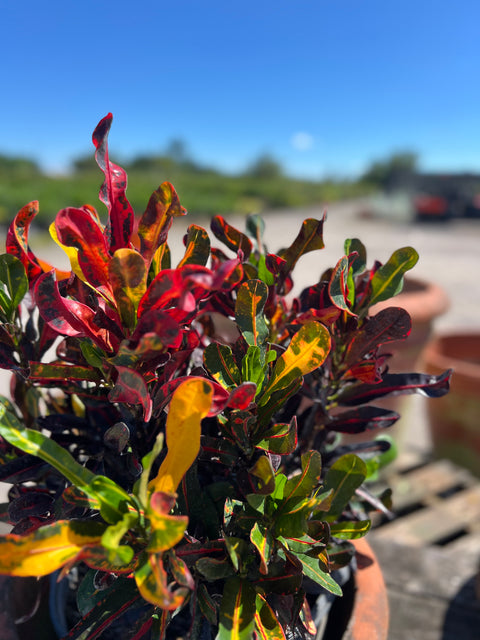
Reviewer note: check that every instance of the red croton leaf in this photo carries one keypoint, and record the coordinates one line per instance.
(155, 223)
(112, 192)
(130, 387)
(17, 243)
(77, 228)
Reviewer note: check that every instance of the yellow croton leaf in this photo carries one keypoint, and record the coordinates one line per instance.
(72, 253)
(48, 548)
(190, 403)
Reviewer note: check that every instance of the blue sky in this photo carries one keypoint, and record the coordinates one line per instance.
(326, 86)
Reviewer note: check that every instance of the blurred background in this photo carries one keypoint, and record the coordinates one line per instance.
(247, 106)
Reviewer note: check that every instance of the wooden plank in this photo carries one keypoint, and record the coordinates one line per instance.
(423, 484)
(428, 526)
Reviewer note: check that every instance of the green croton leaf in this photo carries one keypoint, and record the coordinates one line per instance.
(251, 299)
(388, 279)
(267, 625)
(220, 363)
(262, 539)
(237, 611)
(13, 284)
(312, 569)
(306, 352)
(343, 479)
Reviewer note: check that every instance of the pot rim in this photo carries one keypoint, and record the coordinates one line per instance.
(422, 299)
(445, 349)
(370, 615)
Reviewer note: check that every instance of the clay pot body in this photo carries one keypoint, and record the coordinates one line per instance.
(370, 615)
(455, 419)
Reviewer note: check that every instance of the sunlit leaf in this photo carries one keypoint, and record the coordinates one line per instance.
(388, 279)
(237, 611)
(309, 238)
(350, 530)
(48, 548)
(197, 249)
(231, 237)
(267, 625)
(153, 226)
(338, 286)
(306, 352)
(312, 569)
(128, 278)
(249, 307)
(262, 539)
(190, 403)
(112, 192)
(17, 243)
(153, 584)
(76, 228)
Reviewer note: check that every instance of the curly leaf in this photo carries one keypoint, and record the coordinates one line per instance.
(48, 548)
(190, 403)
(386, 326)
(17, 243)
(306, 352)
(155, 223)
(130, 387)
(338, 288)
(280, 439)
(231, 237)
(112, 192)
(405, 383)
(128, 278)
(167, 530)
(309, 238)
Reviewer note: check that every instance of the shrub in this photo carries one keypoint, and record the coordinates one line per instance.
(180, 451)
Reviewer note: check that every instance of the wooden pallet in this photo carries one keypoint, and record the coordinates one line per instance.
(435, 503)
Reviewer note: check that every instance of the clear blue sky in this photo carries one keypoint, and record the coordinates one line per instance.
(326, 86)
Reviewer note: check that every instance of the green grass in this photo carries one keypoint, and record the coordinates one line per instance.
(200, 191)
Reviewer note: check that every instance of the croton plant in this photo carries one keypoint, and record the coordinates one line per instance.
(173, 435)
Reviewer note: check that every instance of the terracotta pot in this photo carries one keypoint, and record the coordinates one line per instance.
(370, 615)
(362, 613)
(454, 419)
